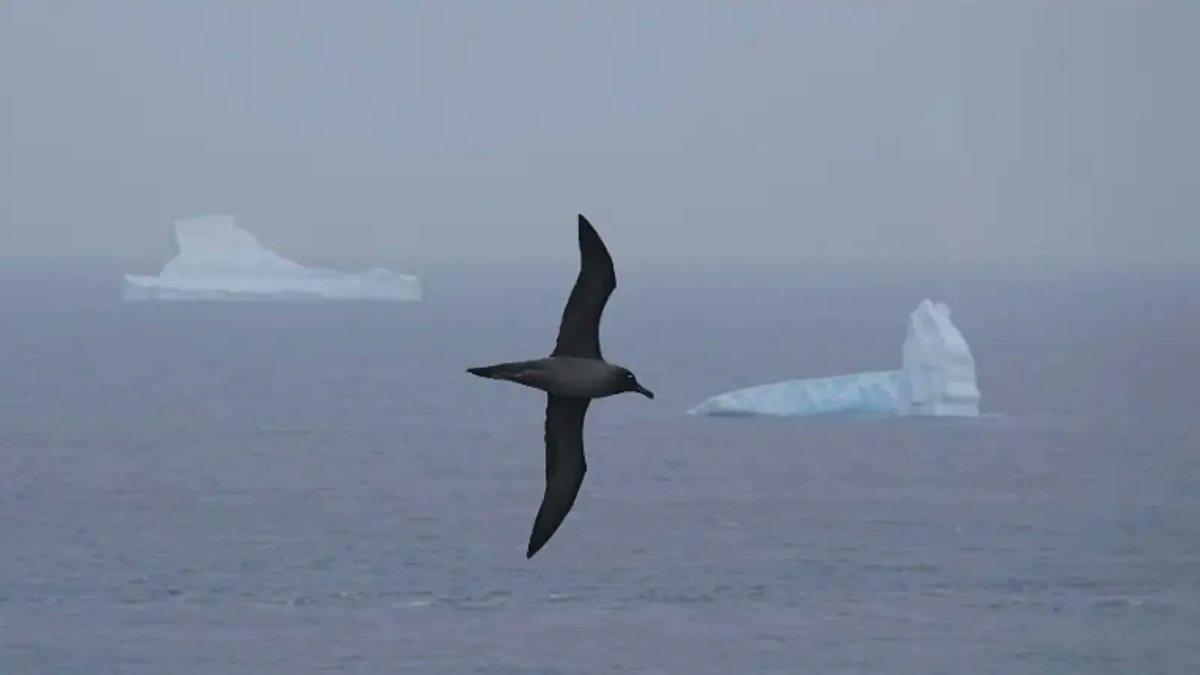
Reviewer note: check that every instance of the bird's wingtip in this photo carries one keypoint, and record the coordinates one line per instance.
(534, 546)
(587, 231)
(585, 224)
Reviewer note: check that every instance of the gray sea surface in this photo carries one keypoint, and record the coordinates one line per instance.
(321, 488)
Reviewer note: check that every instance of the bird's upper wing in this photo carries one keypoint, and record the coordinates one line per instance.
(579, 331)
(565, 466)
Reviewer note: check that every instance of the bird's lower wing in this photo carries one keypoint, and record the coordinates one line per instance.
(565, 467)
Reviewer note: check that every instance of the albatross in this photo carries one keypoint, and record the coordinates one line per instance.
(574, 374)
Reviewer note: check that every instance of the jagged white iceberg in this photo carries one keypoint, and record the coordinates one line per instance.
(217, 260)
(937, 366)
(936, 378)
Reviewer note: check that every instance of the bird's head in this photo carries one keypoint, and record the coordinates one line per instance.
(627, 381)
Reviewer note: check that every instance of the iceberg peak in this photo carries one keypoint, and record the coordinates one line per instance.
(938, 367)
(204, 244)
(217, 260)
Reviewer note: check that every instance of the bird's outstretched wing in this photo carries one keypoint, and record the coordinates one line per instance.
(565, 466)
(579, 330)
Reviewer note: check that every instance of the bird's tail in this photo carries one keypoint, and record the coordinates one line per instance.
(502, 371)
(485, 371)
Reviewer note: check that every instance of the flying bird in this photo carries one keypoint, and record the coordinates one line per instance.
(573, 375)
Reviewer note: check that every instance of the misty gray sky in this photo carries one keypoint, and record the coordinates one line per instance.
(399, 130)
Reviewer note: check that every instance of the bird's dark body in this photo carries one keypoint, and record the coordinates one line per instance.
(573, 375)
(566, 376)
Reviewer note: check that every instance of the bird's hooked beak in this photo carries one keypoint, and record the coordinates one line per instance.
(643, 391)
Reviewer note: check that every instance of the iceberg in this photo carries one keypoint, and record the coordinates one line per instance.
(217, 260)
(936, 379)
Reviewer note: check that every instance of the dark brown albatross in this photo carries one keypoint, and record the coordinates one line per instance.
(573, 375)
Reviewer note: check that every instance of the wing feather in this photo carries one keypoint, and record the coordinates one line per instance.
(579, 330)
(565, 467)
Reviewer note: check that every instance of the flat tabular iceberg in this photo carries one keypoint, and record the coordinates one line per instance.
(216, 260)
(936, 378)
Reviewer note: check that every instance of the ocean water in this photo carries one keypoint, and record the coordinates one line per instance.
(321, 488)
